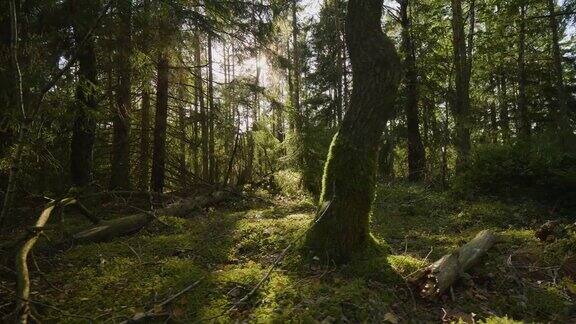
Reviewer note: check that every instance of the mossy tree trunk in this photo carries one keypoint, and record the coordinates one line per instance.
(350, 170)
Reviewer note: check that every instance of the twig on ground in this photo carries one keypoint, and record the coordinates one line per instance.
(42, 274)
(151, 313)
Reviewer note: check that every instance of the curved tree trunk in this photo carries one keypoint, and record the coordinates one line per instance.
(349, 177)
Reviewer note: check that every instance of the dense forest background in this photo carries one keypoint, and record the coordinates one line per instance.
(166, 96)
(150, 102)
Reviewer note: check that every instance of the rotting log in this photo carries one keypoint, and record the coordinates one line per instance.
(108, 230)
(433, 280)
(184, 207)
(23, 277)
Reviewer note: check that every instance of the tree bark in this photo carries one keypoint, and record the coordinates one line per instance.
(296, 68)
(199, 85)
(504, 111)
(461, 107)
(211, 114)
(416, 152)
(144, 165)
(120, 177)
(560, 114)
(84, 128)
(159, 148)
(349, 177)
(525, 128)
(182, 131)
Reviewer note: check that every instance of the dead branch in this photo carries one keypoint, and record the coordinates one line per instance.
(108, 230)
(152, 312)
(433, 280)
(23, 277)
(185, 207)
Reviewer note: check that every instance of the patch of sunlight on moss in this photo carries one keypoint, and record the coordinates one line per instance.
(266, 236)
(405, 264)
(169, 224)
(517, 236)
(288, 182)
(231, 283)
(499, 320)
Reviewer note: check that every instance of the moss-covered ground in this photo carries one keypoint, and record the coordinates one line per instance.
(230, 248)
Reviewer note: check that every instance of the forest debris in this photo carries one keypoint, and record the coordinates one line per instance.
(547, 232)
(390, 318)
(107, 230)
(433, 280)
(568, 268)
(184, 207)
(157, 310)
(23, 310)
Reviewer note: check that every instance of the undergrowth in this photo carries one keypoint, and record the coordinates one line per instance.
(228, 251)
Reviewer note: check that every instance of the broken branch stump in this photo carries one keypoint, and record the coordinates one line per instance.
(433, 280)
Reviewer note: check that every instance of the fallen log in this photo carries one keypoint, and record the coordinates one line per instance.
(184, 207)
(108, 230)
(433, 280)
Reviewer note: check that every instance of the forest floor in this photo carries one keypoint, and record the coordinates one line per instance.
(226, 251)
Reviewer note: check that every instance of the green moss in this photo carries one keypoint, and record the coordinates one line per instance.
(499, 320)
(232, 250)
(288, 183)
(404, 264)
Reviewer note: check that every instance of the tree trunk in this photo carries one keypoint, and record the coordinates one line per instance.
(120, 173)
(504, 113)
(182, 130)
(525, 128)
(341, 228)
(159, 148)
(560, 114)
(143, 173)
(203, 115)
(120, 177)
(84, 128)
(211, 113)
(461, 108)
(416, 152)
(296, 69)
